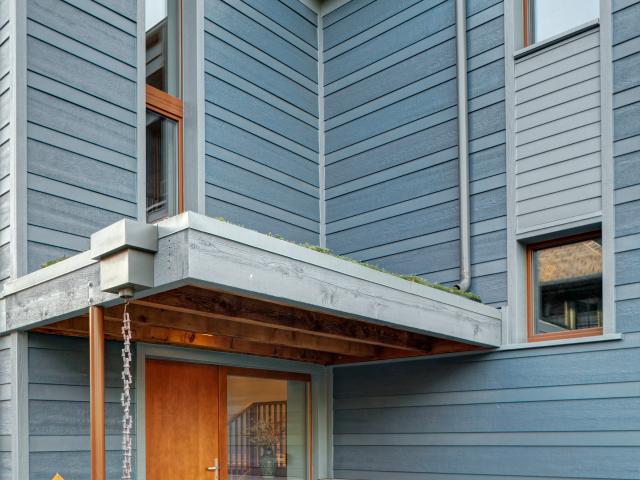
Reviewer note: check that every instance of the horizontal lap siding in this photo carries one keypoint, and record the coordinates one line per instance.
(391, 138)
(59, 430)
(81, 132)
(558, 133)
(487, 151)
(6, 413)
(261, 106)
(391, 142)
(5, 145)
(557, 412)
(626, 117)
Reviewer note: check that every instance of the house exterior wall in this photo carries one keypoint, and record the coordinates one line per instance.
(384, 156)
(560, 412)
(5, 145)
(556, 412)
(261, 105)
(81, 130)
(392, 143)
(6, 437)
(626, 149)
(557, 123)
(58, 399)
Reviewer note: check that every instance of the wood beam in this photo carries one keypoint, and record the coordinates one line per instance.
(221, 305)
(161, 317)
(96, 387)
(183, 338)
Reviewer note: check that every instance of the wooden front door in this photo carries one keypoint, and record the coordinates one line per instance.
(182, 415)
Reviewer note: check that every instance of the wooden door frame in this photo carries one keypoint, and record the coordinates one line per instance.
(320, 405)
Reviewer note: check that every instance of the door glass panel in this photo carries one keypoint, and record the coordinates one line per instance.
(268, 428)
(162, 152)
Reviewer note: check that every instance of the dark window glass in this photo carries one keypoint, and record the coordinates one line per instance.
(567, 286)
(162, 154)
(162, 24)
(552, 17)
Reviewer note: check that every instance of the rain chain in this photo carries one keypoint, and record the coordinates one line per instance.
(125, 399)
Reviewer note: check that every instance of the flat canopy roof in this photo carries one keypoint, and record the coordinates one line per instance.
(221, 286)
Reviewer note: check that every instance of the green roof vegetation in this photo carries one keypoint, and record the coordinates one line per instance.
(408, 277)
(53, 261)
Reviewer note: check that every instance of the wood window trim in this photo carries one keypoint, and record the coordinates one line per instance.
(173, 108)
(541, 337)
(223, 434)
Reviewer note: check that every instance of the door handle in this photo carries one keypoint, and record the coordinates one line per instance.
(215, 468)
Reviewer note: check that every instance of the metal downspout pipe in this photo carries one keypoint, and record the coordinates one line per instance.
(463, 147)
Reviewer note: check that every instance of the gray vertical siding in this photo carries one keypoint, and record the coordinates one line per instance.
(6, 417)
(626, 124)
(391, 138)
(558, 133)
(261, 106)
(5, 118)
(81, 112)
(556, 412)
(59, 429)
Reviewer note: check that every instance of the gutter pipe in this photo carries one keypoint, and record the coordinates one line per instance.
(463, 147)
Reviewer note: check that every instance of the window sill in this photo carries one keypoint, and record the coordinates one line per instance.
(607, 337)
(523, 52)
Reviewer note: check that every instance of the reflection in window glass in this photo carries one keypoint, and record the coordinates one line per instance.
(162, 152)
(567, 283)
(267, 428)
(552, 17)
(162, 23)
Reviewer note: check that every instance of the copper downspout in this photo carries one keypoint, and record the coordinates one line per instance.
(96, 387)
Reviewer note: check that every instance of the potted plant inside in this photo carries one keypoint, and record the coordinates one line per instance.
(266, 435)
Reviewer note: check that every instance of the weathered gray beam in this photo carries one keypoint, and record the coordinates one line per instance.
(235, 259)
(194, 249)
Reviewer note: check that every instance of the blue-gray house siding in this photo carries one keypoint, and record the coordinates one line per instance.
(5, 143)
(626, 133)
(261, 105)
(392, 144)
(6, 414)
(554, 412)
(81, 132)
(59, 427)
(391, 177)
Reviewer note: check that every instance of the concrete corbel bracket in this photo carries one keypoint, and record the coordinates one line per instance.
(125, 251)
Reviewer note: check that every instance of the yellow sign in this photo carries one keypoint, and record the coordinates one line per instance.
(57, 476)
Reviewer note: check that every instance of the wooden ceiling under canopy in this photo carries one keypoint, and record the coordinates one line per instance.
(192, 316)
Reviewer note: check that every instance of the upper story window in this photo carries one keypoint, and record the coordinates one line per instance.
(565, 287)
(544, 19)
(164, 166)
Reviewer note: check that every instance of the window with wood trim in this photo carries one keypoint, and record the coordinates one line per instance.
(544, 19)
(564, 287)
(164, 164)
